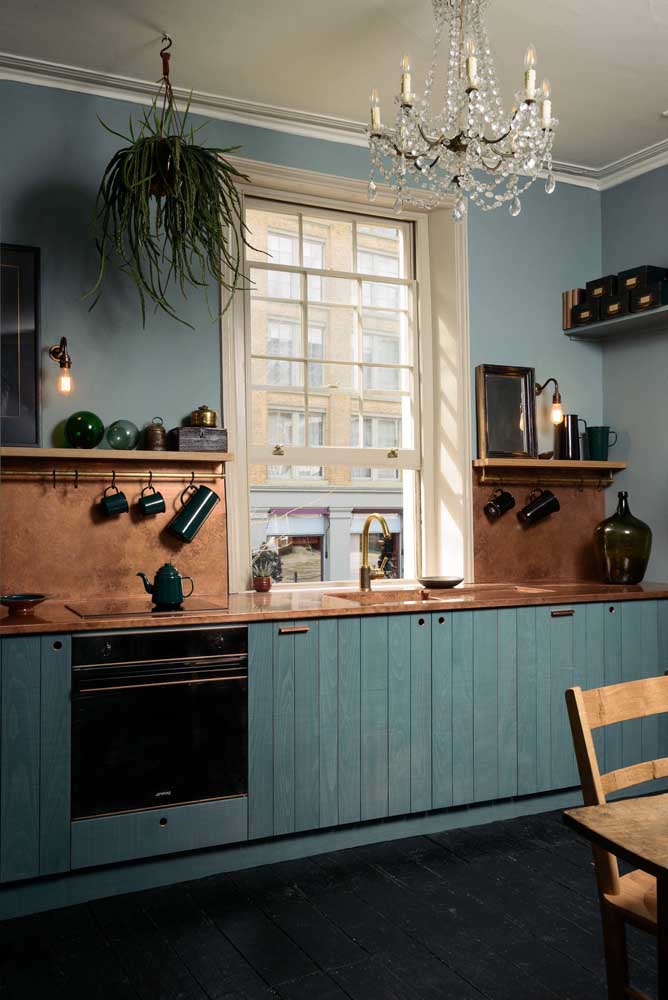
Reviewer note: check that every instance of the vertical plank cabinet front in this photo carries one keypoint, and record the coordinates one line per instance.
(349, 721)
(55, 754)
(527, 702)
(421, 732)
(485, 705)
(441, 710)
(260, 730)
(399, 714)
(462, 708)
(328, 661)
(562, 652)
(374, 791)
(284, 728)
(20, 759)
(639, 658)
(306, 725)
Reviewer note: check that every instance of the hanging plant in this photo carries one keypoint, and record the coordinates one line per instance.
(168, 210)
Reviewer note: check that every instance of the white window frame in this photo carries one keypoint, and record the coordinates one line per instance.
(445, 533)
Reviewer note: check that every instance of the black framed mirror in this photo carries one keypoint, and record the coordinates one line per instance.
(506, 411)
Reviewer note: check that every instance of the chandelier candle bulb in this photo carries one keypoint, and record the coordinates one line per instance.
(375, 110)
(406, 95)
(530, 73)
(471, 64)
(546, 116)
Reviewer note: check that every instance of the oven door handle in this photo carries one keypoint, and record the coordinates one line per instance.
(134, 687)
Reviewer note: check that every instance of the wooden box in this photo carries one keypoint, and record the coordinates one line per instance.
(587, 312)
(640, 277)
(613, 306)
(602, 286)
(649, 296)
(197, 439)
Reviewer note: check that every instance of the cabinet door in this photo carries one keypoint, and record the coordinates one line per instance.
(284, 728)
(634, 649)
(20, 758)
(34, 756)
(55, 754)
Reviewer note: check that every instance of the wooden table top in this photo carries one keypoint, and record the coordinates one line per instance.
(633, 829)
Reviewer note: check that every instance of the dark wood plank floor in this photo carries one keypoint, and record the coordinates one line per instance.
(505, 911)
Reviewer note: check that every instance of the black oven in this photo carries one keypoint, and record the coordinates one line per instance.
(159, 717)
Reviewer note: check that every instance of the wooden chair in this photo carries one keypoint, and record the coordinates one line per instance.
(627, 898)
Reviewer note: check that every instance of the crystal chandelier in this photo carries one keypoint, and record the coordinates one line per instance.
(467, 146)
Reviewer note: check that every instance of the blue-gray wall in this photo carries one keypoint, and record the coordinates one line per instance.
(518, 269)
(635, 369)
(53, 155)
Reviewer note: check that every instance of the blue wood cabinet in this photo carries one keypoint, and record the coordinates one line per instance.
(364, 718)
(351, 719)
(34, 756)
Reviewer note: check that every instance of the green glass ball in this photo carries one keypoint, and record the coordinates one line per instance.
(84, 430)
(123, 434)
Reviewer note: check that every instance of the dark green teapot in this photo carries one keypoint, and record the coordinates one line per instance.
(167, 588)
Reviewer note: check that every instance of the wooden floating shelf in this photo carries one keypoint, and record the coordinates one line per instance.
(634, 324)
(78, 455)
(552, 470)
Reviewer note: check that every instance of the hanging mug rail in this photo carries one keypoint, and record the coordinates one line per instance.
(63, 475)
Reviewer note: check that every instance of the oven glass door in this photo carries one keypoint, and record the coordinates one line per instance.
(154, 735)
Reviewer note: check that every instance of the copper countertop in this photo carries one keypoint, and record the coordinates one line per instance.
(53, 615)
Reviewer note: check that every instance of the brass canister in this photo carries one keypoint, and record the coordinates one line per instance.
(155, 435)
(203, 417)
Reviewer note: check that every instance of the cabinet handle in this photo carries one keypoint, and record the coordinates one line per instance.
(567, 613)
(294, 629)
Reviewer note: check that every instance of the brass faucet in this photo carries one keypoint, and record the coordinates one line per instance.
(366, 573)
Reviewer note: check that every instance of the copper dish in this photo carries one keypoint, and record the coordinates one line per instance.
(22, 604)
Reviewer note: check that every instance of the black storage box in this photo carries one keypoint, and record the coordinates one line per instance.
(602, 286)
(198, 439)
(613, 306)
(649, 297)
(640, 277)
(585, 313)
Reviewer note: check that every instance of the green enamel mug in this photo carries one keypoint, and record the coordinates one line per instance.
(598, 439)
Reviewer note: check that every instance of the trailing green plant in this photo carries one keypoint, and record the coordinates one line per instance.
(168, 210)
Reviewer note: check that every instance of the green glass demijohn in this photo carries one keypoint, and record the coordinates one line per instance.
(624, 544)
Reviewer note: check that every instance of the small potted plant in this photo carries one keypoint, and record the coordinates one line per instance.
(263, 563)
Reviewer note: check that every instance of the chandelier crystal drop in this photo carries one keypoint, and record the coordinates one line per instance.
(463, 145)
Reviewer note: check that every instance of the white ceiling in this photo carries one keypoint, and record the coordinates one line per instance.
(606, 59)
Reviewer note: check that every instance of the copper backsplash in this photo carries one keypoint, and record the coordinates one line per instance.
(57, 541)
(559, 548)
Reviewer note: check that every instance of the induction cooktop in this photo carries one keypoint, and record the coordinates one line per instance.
(137, 607)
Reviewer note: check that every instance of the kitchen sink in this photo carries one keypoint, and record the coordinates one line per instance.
(405, 596)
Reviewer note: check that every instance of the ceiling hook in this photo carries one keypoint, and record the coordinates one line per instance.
(191, 484)
(150, 479)
(164, 54)
(113, 480)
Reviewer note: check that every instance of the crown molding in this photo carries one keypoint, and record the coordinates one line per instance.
(39, 72)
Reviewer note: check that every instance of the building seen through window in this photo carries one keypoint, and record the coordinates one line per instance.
(332, 388)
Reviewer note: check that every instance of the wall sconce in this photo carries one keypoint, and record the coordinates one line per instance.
(557, 414)
(59, 354)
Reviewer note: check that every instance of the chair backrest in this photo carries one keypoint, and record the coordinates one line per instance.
(589, 710)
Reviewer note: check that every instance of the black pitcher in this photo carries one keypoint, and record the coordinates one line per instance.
(567, 437)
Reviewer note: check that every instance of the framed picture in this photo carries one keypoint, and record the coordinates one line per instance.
(506, 411)
(19, 345)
